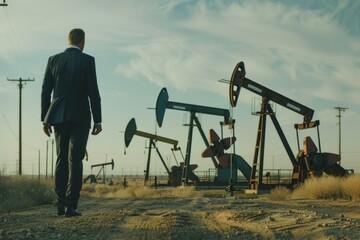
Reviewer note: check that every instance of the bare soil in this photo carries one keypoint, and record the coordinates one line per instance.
(209, 215)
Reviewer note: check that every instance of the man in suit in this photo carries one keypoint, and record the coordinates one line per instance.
(70, 77)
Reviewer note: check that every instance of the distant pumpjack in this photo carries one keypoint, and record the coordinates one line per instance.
(102, 165)
(131, 130)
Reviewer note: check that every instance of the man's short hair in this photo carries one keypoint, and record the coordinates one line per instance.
(76, 36)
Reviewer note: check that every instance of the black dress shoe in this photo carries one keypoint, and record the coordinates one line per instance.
(60, 211)
(71, 212)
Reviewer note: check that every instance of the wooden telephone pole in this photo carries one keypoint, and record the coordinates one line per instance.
(340, 109)
(3, 4)
(20, 80)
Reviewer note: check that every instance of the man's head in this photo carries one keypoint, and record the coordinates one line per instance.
(77, 38)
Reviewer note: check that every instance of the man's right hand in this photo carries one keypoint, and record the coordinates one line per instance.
(96, 129)
(47, 129)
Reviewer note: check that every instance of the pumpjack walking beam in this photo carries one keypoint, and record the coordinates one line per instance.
(238, 80)
(131, 130)
(102, 165)
(162, 103)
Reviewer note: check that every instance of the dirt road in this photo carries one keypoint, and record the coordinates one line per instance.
(205, 216)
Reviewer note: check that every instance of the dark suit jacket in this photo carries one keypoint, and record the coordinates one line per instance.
(71, 77)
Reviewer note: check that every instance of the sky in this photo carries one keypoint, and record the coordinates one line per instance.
(308, 51)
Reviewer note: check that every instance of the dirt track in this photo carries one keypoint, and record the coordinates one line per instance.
(209, 216)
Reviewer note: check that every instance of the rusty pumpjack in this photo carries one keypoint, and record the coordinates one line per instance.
(131, 130)
(308, 162)
(93, 178)
(314, 162)
(163, 103)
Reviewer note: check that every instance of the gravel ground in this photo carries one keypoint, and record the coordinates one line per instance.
(207, 216)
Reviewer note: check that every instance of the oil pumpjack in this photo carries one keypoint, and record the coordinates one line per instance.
(309, 162)
(163, 103)
(175, 172)
(93, 178)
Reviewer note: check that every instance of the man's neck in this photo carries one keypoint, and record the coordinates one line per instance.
(74, 46)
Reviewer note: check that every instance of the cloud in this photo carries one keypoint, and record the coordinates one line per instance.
(306, 50)
(303, 46)
(175, 62)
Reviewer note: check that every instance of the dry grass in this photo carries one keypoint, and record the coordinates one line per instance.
(137, 190)
(20, 192)
(328, 187)
(351, 187)
(280, 194)
(320, 188)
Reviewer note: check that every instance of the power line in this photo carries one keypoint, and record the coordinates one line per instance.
(14, 42)
(20, 80)
(6, 121)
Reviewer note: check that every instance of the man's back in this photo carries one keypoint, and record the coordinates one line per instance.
(72, 77)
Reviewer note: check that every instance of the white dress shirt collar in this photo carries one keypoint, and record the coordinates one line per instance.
(72, 46)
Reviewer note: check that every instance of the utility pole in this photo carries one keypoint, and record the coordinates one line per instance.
(20, 80)
(3, 4)
(340, 109)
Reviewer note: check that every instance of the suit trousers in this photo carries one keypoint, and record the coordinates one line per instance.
(71, 140)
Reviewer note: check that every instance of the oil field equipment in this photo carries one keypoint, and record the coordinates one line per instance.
(228, 163)
(303, 165)
(93, 178)
(163, 103)
(131, 130)
(313, 162)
